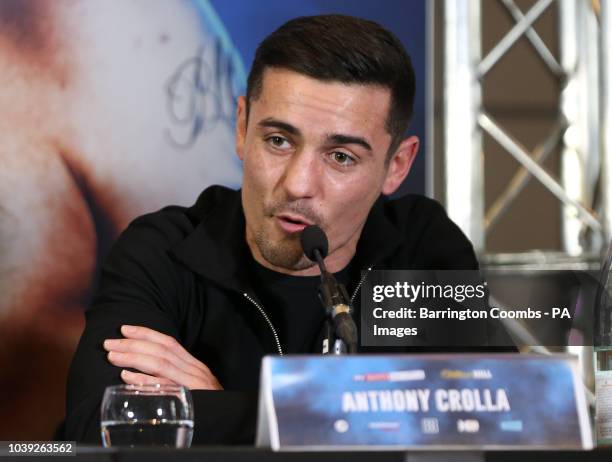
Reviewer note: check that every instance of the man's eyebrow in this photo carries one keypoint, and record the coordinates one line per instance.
(348, 139)
(336, 138)
(275, 123)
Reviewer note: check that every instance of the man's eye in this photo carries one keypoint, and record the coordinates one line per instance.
(278, 142)
(342, 158)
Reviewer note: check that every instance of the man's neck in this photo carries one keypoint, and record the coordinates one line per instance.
(334, 262)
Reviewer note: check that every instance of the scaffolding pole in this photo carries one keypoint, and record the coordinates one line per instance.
(606, 116)
(578, 104)
(464, 169)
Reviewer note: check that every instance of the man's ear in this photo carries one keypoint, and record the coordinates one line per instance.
(241, 126)
(400, 164)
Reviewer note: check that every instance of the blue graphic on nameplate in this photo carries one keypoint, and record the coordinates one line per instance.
(460, 401)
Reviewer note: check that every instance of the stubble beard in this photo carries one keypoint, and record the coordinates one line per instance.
(286, 253)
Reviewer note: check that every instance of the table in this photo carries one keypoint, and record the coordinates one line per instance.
(248, 454)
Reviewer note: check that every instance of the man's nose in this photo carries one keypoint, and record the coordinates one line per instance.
(302, 175)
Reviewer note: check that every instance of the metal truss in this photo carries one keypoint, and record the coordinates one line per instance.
(583, 128)
(583, 132)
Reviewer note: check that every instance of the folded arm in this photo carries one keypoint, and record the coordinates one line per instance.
(140, 287)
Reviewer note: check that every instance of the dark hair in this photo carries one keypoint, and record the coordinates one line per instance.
(344, 49)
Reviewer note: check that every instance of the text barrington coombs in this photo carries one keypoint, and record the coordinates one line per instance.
(412, 292)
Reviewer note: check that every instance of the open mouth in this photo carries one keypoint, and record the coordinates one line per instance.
(292, 223)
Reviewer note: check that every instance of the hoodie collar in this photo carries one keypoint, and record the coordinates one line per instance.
(379, 238)
(217, 250)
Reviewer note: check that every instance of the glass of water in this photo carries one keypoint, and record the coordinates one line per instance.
(147, 415)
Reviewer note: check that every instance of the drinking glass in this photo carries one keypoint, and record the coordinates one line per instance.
(147, 415)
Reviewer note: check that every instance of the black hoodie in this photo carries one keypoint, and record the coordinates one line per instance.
(181, 271)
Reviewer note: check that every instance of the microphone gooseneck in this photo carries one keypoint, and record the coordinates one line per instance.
(333, 294)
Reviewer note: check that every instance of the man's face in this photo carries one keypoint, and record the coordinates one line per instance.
(314, 153)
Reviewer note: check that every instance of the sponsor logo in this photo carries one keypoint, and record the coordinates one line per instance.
(341, 426)
(430, 426)
(388, 426)
(511, 425)
(393, 376)
(468, 426)
(482, 374)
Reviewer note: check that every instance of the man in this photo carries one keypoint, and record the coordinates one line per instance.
(198, 296)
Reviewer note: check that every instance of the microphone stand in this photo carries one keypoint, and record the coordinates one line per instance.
(340, 329)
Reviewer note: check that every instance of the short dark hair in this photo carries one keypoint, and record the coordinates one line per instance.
(343, 49)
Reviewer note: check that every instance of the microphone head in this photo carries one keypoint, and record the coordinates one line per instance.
(313, 238)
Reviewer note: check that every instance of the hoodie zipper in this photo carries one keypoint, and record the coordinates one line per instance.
(267, 319)
(265, 316)
(363, 278)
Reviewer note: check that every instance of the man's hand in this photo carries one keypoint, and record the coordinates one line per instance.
(159, 358)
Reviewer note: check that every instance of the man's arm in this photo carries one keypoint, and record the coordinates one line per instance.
(141, 286)
(157, 358)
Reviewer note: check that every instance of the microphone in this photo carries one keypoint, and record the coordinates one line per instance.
(314, 241)
(333, 294)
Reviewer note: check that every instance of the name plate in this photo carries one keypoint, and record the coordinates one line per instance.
(459, 401)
